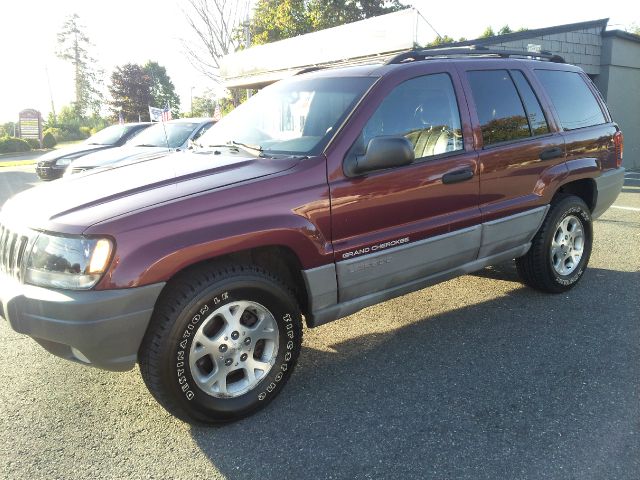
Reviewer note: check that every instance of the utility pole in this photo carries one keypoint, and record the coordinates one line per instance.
(53, 108)
(247, 43)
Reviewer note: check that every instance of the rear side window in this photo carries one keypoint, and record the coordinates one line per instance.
(500, 110)
(423, 110)
(574, 101)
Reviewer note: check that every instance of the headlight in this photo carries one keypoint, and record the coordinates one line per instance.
(64, 161)
(75, 263)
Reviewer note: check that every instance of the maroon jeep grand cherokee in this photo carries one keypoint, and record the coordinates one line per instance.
(323, 194)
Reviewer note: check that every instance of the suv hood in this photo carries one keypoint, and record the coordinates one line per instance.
(72, 204)
(114, 155)
(73, 150)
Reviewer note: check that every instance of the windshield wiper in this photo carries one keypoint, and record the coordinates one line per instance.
(145, 145)
(251, 148)
(255, 149)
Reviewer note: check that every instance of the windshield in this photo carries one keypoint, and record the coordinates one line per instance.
(109, 135)
(176, 135)
(295, 116)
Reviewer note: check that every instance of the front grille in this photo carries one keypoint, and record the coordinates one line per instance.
(12, 251)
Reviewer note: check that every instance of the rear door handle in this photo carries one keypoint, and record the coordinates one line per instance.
(457, 176)
(551, 153)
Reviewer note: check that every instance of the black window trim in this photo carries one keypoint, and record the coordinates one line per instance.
(526, 110)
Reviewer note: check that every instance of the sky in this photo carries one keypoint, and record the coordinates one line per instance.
(124, 31)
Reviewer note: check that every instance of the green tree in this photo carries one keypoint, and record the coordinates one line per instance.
(279, 19)
(162, 90)
(440, 41)
(504, 30)
(204, 105)
(73, 46)
(7, 129)
(275, 20)
(130, 91)
(488, 32)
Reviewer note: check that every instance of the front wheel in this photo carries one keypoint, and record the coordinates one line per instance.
(560, 251)
(221, 343)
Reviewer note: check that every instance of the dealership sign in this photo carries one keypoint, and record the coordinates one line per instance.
(30, 124)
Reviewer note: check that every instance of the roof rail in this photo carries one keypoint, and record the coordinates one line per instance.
(472, 51)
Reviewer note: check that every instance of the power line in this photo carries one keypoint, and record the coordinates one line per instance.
(419, 13)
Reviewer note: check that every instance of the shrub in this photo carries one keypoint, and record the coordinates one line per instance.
(12, 144)
(85, 131)
(55, 132)
(49, 140)
(34, 143)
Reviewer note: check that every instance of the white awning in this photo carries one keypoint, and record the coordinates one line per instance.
(367, 41)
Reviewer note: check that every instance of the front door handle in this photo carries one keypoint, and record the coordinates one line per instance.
(551, 153)
(457, 176)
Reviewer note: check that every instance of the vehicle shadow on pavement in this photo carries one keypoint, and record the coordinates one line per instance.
(525, 385)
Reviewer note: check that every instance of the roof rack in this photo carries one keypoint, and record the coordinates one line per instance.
(472, 51)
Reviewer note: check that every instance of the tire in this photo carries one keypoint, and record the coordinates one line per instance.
(221, 343)
(560, 251)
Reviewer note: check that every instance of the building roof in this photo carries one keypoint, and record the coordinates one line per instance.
(622, 34)
(537, 32)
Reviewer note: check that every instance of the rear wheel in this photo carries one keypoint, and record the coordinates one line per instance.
(221, 343)
(561, 249)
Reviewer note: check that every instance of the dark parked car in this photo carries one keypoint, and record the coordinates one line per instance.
(321, 195)
(53, 164)
(156, 141)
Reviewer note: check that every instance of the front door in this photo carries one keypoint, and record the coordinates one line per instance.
(394, 228)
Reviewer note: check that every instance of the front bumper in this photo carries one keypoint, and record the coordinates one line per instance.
(609, 186)
(99, 328)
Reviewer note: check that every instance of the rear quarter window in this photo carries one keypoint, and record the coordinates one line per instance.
(575, 103)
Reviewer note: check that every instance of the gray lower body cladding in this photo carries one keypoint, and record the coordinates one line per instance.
(99, 328)
(609, 185)
(348, 286)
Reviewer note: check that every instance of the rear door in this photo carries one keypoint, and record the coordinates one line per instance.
(393, 227)
(520, 147)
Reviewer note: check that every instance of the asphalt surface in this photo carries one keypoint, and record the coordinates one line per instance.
(475, 378)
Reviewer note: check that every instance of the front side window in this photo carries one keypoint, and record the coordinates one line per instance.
(423, 110)
(294, 116)
(574, 102)
(500, 111)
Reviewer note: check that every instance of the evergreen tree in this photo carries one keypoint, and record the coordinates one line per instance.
(73, 46)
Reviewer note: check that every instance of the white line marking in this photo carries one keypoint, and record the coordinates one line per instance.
(633, 209)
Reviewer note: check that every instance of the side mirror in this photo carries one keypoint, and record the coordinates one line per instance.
(382, 152)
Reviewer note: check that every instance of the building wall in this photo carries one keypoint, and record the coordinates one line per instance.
(579, 47)
(619, 82)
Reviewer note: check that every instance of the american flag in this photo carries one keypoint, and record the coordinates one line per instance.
(166, 114)
(160, 114)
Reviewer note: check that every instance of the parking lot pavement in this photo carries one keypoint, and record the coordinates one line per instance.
(16, 179)
(475, 378)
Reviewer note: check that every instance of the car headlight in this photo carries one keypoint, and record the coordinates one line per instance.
(64, 161)
(75, 263)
